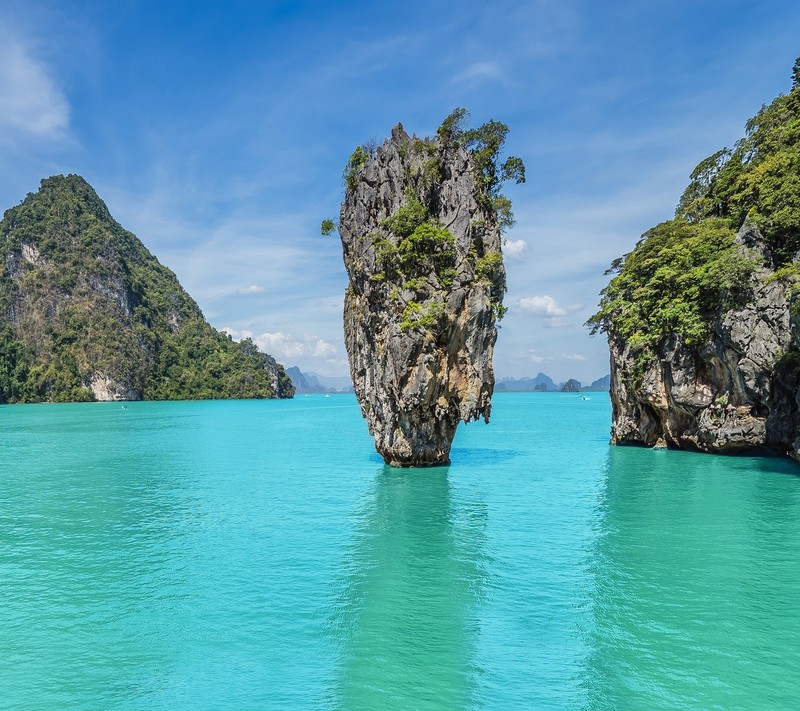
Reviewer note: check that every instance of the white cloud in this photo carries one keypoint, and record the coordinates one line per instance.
(479, 71)
(323, 349)
(285, 346)
(574, 356)
(280, 345)
(30, 102)
(545, 306)
(252, 289)
(515, 249)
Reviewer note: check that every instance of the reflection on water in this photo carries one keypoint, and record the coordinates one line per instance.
(406, 618)
(203, 555)
(695, 583)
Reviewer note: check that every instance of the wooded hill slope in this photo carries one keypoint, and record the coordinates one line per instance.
(88, 313)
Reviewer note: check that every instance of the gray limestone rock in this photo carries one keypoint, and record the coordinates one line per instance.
(739, 390)
(420, 308)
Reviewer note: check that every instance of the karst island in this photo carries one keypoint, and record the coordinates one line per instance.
(703, 315)
(421, 226)
(88, 313)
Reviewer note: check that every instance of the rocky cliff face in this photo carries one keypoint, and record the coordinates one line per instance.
(738, 390)
(703, 317)
(422, 249)
(87, 313)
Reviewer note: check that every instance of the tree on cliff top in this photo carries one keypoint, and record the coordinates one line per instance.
(675, 279)
(484, 144)
(758, 180)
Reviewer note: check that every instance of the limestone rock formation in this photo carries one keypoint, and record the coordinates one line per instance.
(703, 316)
(736, 391)
(422, 249)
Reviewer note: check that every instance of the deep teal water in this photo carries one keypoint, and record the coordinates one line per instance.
(258, 555)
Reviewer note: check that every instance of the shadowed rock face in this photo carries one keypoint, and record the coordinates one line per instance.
(420, 309)
(738, 391)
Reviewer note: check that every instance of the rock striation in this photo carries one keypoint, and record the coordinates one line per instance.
(422, 249)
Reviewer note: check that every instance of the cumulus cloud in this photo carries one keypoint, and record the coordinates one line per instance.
(285, 346)
(252, 289)
(545, 306)
(573, 356)
(515, 249)
(548, 309)
(280, 345)
(30, 102)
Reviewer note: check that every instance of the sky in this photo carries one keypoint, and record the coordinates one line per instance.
(217, 133)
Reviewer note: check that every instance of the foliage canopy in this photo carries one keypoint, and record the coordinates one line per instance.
(682, 270)
(758, 180)
(672, 283)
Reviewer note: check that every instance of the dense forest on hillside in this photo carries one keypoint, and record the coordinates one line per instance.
(87, 312)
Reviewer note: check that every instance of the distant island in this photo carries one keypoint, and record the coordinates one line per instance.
(544, 384)
(306, 383)
(88, 313)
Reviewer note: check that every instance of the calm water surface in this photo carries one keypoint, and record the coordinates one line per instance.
(258, 555)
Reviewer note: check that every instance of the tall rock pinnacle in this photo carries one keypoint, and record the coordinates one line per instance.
(421, 236)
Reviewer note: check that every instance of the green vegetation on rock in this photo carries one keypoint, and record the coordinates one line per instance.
(683, 270)
(328, 227)
(425, 248)
(758, 180)
(83, 302)
(673, 283)
(484, 144)
(354, 164)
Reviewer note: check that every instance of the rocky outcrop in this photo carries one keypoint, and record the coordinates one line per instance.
(702, 315)
(738, 390)
(305, 383)
(422, 249)
(571, 386)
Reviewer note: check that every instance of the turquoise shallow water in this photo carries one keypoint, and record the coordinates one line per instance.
(258, 555)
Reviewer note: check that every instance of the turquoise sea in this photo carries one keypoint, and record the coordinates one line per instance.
(258, 555)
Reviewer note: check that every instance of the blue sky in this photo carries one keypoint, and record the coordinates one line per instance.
(217, 133)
